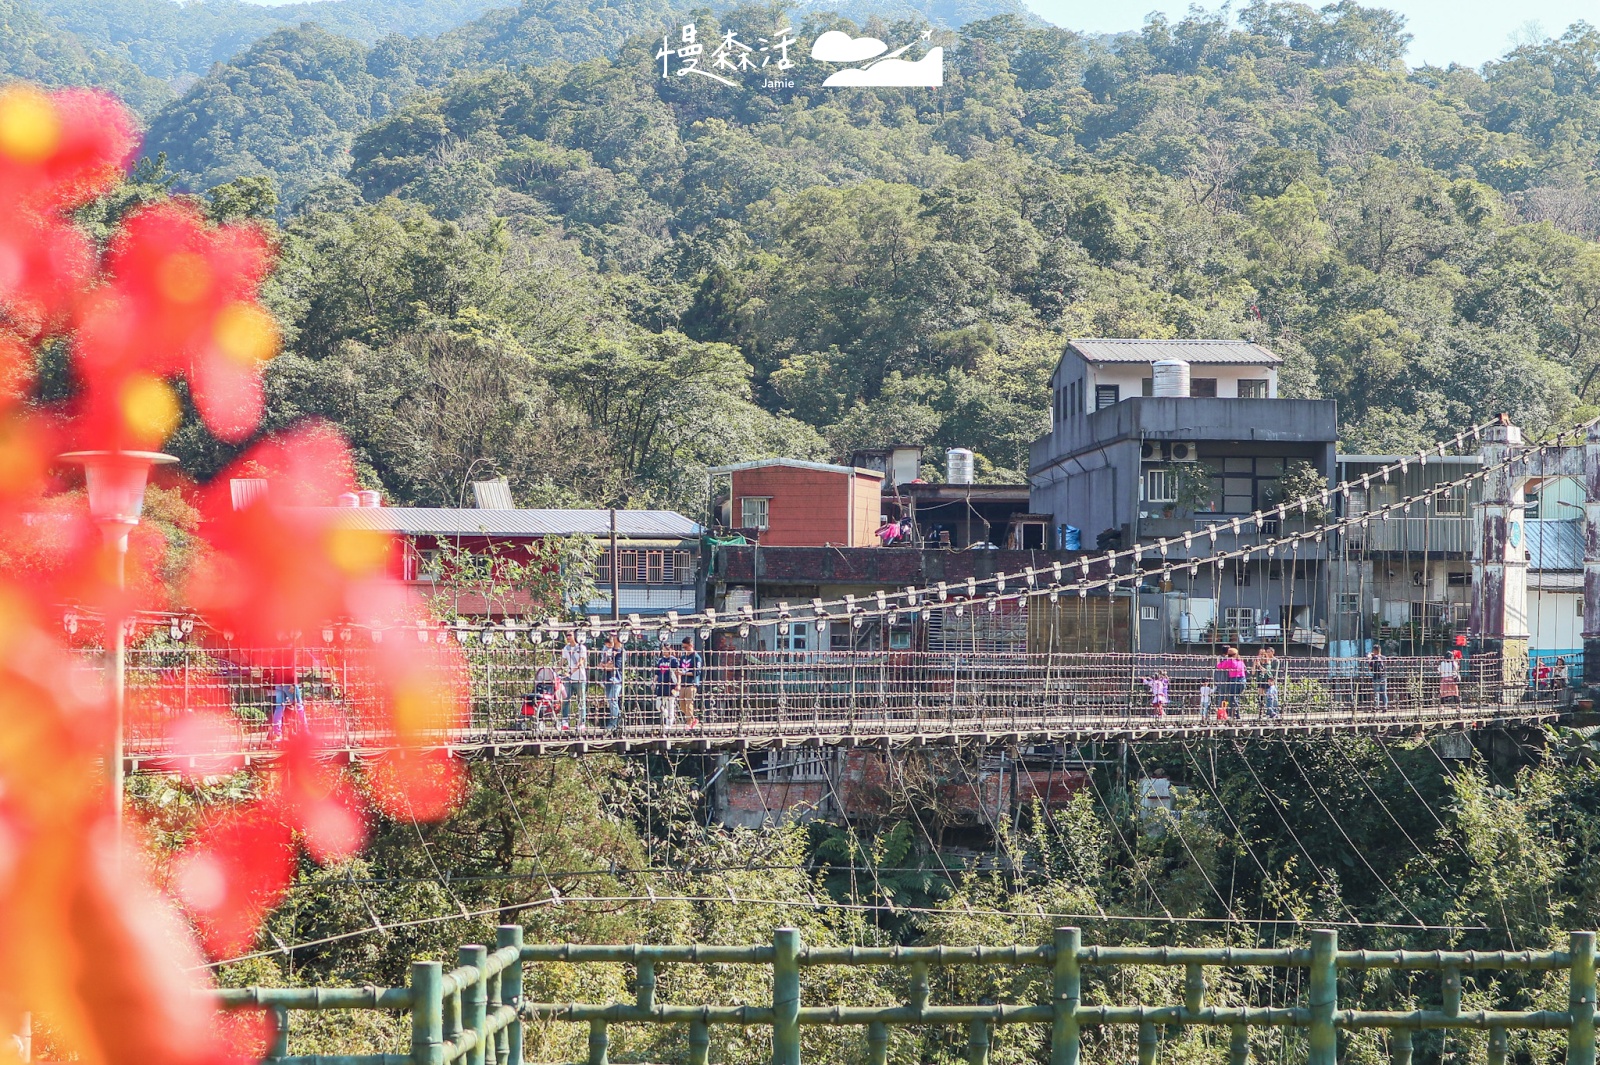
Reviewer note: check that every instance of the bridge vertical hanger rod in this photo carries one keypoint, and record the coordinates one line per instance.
(1324, 998)
(510, 935)
(475, 999)
(427, 1013)
(786, 996)
(1591, 556)
(1066, 994)
(1580, 1001)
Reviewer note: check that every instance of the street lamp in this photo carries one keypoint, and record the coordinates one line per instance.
(115, 481)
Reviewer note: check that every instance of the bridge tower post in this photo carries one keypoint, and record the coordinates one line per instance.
(1591, 557)
(1500, 566)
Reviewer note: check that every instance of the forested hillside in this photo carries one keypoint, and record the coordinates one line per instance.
(34, 49)
(517, 246)
(180, 41)
(904, 264)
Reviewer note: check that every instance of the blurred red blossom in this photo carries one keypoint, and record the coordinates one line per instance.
(84, 939)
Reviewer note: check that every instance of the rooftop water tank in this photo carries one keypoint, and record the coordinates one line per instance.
(349, 499)
(958, 466)
(370, 498)
(1171, 378)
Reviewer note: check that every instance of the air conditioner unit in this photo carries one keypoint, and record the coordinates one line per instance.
(1153, 451)
(1183, 451)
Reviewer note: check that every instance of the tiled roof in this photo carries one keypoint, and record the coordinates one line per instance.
(1216, 352)
(445, 521)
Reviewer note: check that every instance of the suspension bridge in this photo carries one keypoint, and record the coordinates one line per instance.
(1052, 692)
(754, 700)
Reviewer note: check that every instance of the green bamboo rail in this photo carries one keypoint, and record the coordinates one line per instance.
(473, 1013)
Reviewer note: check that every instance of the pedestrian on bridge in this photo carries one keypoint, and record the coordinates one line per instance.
(1265, 674)
(575, 667)
(689, 669)
(1378, 669)
(613, 660)
(667, 686)
(1233, 670)
(1160, 692)
(1450, 678)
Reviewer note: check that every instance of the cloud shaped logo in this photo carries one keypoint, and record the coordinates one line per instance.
(927, 72)
(836, 47)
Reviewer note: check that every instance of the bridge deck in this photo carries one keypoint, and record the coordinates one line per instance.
(834, 699)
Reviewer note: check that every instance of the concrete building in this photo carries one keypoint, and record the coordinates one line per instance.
(1404, 580)
(1159, 438)
(791, 503)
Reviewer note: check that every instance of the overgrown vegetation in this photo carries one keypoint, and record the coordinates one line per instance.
(1279, 837)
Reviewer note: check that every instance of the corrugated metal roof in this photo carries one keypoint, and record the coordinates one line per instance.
(1390, 460)
(799, 464)
(443, 521)
(1216, 352)
(1554, 545)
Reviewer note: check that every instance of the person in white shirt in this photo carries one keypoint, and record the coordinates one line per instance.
(575, 668)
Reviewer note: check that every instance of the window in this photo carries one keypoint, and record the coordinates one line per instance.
(653, 567)
(1452, 504)
(1203, 387)
(1349, 602)
(1459, 580)
(685, 565)
(1252, 388)
(1158, 487)
(1384, 495)
(1241, 484)
(603, 570)
(1147, 387)
(753, 512)
(628, 572)
(1356, 505)
(1241, 619)
(1149, 613)
(429, 566)
(669, 567)
(1106, 396)
(1577, 603)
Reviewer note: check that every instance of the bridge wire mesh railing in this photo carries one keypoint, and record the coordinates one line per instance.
(476, 1013)
(765, 694)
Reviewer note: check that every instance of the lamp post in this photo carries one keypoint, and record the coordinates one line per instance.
(115, 481)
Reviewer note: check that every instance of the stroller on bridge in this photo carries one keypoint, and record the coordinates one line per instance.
(549, 692)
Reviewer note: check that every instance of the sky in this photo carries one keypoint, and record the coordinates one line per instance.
(1469, 32)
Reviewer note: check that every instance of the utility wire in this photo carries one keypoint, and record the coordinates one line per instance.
(720, 900)
(1315, 794)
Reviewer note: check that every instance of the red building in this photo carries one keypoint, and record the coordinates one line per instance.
(790, 503)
